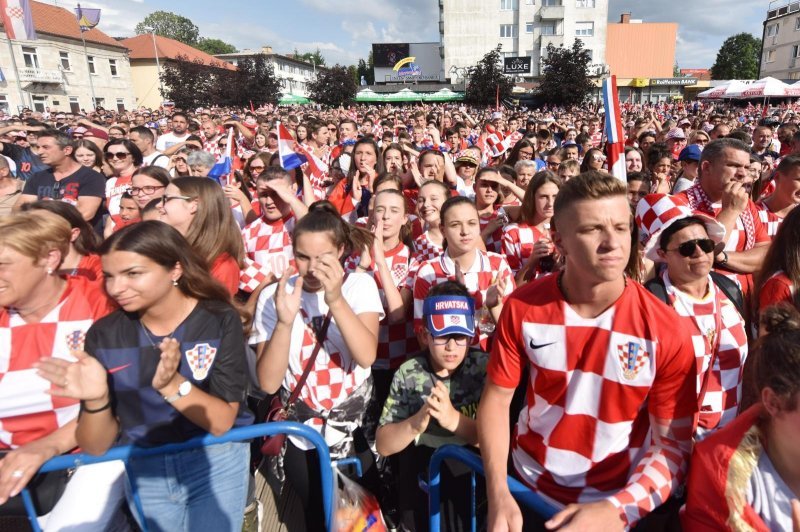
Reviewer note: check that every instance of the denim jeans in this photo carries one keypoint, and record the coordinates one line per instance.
(200, 489)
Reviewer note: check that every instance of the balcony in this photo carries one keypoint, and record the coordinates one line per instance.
(551, 12)
(40, 75)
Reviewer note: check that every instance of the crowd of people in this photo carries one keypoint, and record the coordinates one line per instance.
(398, 279)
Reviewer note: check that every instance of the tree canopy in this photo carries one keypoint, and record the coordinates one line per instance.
(485, 78)
(565, 75)
(737, 58)
(215, 46)
(334, 86)
(315, 57)
(168, 24)
(366, 69)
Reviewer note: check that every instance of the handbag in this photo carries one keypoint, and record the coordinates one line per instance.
(278, 411)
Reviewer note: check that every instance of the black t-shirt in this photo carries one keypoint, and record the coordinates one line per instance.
(212, 357)
(28, 163)
(83, 182)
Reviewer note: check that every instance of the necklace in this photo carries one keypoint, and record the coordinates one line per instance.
(151, 339)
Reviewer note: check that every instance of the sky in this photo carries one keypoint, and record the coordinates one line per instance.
(344, 31)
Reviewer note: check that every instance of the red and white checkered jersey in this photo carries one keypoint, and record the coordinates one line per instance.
(584, 434)
(485, 270)
(778, 288)
(252, 275)
(212, 145)
(518, 241)
(494, 242)
(395, 341)
(715, 325)
(335, 374)
(270, 243)
(27, 411)
(770, 220)
(596, 138)
(115, 188)
(425, 250)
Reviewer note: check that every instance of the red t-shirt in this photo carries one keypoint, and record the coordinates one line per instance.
(225, 269)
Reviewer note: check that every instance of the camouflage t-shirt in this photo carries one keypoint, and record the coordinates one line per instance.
(412, 383)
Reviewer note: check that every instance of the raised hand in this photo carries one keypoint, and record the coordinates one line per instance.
(168, 365)
(288, 305)
(86, 379)
(331, 274)
(377, 244)
(494, 295)
(442, 409)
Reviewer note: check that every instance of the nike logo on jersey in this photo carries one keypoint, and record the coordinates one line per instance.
(534, 346)
(120, 368)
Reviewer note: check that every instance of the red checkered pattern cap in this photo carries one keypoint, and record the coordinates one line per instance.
(656, 212)
(497, 144)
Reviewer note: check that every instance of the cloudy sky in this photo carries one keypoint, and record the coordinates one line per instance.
(344, 31)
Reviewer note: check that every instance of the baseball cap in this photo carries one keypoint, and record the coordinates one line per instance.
(676, 133)
(467, 159)
(690, 153)
(449, 314)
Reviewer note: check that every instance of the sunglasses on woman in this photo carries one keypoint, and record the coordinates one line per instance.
(121, 155)
(687, 248)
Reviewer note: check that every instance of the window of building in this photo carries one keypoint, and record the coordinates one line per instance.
(4, 103)
(769, 56)
(112, 64)
(65, 64)
(772, 30)
(584, 29)
(74, 105)
(120, 105)
(39, 103)
(510, 54)
(529, 2)
(508, 30)
(792, 75)
(29, 57)
(508, 5)
(584, 3)
(99, 102)
(529, 27)
(90, 60)
(797, 24)
(551, 3)
(549, 28)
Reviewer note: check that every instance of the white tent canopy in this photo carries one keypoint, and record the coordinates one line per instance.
(768, 87)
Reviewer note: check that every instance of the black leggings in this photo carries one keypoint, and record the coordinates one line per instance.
(301, 470)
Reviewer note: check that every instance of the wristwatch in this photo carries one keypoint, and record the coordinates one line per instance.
(724, 259)
(183, 390)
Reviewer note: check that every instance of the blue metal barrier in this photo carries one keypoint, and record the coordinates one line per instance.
(519, 490)
(238, 434)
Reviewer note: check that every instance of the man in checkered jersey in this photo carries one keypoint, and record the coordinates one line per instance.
(268, 240)
(720, 193)
(607, 428)
(774, 208)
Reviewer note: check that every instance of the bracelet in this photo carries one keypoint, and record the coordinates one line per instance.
(96, 410)
(362, 267)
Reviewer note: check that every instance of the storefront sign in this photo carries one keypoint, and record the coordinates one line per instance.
(673, 81)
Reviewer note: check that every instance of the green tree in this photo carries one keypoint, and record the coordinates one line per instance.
(565, 75)
(365, 68)
(187, 83)
(215, 46)
(334, 86)
(258, 82)
(737, 58)
(168, 24)
(486, 77)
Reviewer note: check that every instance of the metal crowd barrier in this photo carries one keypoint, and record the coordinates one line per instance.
(519, 490)
(238, 434)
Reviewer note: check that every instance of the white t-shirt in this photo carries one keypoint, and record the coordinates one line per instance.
(170, 139)
(769, 495)
(156, 159)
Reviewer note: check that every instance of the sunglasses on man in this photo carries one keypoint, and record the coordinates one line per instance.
(686, 249)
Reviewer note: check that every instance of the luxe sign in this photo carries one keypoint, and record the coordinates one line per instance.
(516, 65)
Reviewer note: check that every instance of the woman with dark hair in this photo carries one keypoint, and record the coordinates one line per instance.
(317, 304)
(88, 154)
(179, 162)
(148, 183)
(81, 258)
(124, 158)
(169, 366)
(593, 160)
(523, 150)
(199, 210)
(527, 245)
(253, 168)
(745, 477)
(659, 168)
(779, 278)
(301, 133)
(351, 195)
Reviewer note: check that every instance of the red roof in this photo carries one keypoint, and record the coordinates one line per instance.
(60, 22)
(141, 47)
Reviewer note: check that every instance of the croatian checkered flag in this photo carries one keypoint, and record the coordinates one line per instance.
(17, 20)
(615, 144)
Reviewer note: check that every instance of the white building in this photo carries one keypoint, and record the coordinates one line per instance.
(294, 73)
(468, 29)
(780, 42)
(55, 72)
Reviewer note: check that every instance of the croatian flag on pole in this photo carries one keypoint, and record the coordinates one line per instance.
(17, 19)
(615, 144)
(289, 158)
(222, 170)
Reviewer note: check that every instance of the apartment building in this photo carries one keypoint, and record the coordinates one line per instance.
(780, 43)
(294, 73)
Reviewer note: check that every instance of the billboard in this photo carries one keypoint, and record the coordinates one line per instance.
(517, 65)
(415, 62)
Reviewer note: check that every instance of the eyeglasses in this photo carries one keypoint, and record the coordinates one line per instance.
(165, 198)
(111, 155)
(598, 158)
(553, 164)
(687, 248)
(225, 145)
(257, 168)
(146, 190)
(459, 339)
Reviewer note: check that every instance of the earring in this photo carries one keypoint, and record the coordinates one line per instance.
(49, 271)
(174, 282)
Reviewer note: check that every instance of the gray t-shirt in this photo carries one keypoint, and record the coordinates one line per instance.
(769, 495)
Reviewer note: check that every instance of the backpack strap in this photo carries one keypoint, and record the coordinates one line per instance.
(730, 289)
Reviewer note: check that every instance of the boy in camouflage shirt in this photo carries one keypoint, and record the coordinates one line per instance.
(432, 401)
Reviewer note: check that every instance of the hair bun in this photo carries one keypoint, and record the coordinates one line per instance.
(780, 318)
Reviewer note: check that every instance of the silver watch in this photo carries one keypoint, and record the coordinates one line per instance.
(183, 390)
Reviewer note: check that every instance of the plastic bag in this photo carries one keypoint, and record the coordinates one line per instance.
(354, 508)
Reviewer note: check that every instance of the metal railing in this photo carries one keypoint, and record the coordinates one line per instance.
(455, 452)
(40, 75)
(123, 453)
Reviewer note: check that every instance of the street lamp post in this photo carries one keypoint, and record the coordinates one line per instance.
(152, 32)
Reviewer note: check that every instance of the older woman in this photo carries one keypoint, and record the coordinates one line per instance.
(200, 162)
(708, 304)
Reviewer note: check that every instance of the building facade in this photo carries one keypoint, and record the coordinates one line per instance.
(780, 42)
(468, 29)
(295, 74)
(53, 72)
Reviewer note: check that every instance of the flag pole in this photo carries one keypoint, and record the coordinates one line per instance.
(16, 73)
(86, 54)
